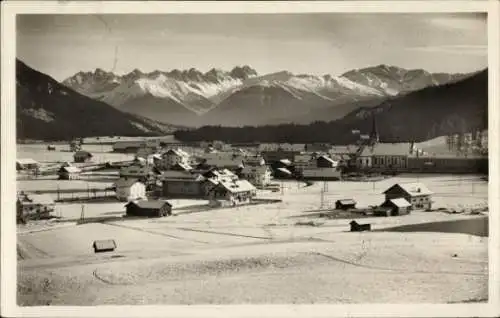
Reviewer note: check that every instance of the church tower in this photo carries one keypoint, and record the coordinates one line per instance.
(374, 137)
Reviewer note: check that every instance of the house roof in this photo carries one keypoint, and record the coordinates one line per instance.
(104, 244)
(176, 175)
(286, 162)
(178, 152)
(126, 182)
(346, 201)
(387, 149)
(237, 186)
(26, 161)
(400, 202)
(42, 199)
(156, 156)
(82, 153)
(71, 169)
(343, 149)
(184, 166)
(327, 159)
(285, 170)
(413, 189)
(149, 204)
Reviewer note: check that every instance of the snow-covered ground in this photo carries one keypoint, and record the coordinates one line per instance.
(38, 152)
(258, 254)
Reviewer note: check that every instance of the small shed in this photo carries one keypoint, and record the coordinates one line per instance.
(345, 204)
(101, 246)
(399, 206)
(82, 156)
(152, 208)
(69, 173)
(26, 164)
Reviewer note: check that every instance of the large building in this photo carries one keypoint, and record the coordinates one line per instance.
(224, 159)
(69, 173)
(34, 206)
(128, 189)
(26, 164)
(417, 194)
(183, 184)
(173, 157)
(259, 176)
(232, 193)
(144, 208)
(82, 156)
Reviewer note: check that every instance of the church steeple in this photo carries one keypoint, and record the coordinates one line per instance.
(374, 138)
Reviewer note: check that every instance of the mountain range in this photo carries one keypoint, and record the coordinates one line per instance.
(47, 110)
(461, 106)
(243, 97)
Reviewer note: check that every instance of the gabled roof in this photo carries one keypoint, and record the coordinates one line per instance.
(26, 161)
(346, 201)
(286, 162)
(42, 199)
(176, 175)
(285, 170)
(237, 186)
(387, 149)
(147, 204)
(126, 182)
(71, 169)
(82, 153)
(413, 189)
(183, 166)
(327, 159)
(177, 152)
(400, 202)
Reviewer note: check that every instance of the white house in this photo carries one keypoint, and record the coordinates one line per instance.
(259, 176)
(172, 157)
(224, 159)
(129, 189)
(135, 170)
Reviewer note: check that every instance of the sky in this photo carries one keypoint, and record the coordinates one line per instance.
(318, 44)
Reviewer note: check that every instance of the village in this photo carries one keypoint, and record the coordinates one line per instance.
(95, 202)
(231, 175)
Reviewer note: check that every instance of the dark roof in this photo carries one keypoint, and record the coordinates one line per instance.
(346, 201)
(104, 244)
(412, 188)
(82, 153)
(146, 204)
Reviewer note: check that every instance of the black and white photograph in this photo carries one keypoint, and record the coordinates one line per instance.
(250, 158)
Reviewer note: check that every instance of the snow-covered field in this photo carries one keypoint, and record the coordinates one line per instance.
(38, 152)
(257, 254)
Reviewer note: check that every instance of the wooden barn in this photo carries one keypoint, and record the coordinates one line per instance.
(156, 208)
(393, 207)
(415, 193)
(82, 156)
(101, 246)
(345, 204)
(69, 173)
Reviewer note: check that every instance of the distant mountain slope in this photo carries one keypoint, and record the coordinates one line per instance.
(417, 116)
(242, 97)
(48, 110)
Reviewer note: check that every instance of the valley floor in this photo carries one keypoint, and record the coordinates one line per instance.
(259, 254)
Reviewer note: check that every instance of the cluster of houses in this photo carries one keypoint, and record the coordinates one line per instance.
(399, 199)
(33, 206)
